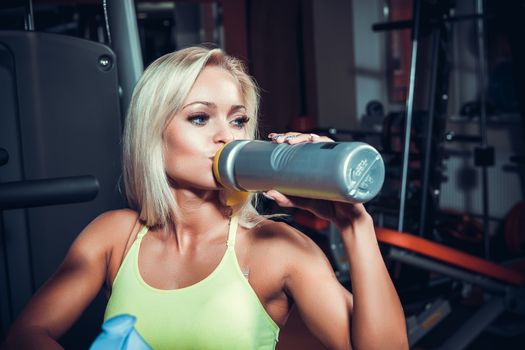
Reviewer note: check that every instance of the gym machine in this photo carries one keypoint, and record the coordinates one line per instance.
(61, 101)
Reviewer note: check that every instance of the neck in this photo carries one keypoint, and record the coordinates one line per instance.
(198, 217)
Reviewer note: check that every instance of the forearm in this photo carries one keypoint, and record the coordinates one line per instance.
(30, 338)
(378, 320)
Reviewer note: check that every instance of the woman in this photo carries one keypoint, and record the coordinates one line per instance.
(196, 270)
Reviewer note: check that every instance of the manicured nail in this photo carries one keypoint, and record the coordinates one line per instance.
(268, 196)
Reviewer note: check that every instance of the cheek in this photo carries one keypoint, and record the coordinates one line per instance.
(175, 142)
(175, 155)
(182, 157)
(241, 134)
(173, 150)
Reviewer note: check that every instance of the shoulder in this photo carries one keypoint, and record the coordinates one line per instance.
(107, 229)
(105, 239)
(111, 222)
(114, 219)
(286, 243)
(283, 234)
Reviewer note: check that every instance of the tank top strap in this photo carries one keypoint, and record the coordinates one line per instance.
(232, 232)
(142, 233)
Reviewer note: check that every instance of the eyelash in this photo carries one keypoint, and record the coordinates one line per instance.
(194, 119)
(242, 120)
(201, 119)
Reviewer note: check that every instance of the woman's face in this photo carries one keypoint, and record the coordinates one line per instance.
(213, 114)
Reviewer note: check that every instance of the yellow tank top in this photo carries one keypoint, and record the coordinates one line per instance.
(220, 312)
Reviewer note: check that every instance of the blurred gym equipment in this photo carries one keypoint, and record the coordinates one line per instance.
(502, 288)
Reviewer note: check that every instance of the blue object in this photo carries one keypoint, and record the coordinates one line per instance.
(118, 333)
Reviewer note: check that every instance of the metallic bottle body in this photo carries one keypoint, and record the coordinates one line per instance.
(339, 171)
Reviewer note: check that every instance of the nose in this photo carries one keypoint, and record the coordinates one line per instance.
(223, 134)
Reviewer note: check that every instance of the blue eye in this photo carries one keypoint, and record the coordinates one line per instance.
(240, 122)
(199, 119)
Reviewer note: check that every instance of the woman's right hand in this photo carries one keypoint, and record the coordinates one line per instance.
(344, 215)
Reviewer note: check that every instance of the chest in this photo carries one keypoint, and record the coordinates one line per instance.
(223, 304)
(165, 269)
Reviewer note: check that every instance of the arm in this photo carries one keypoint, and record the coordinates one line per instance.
(63, 298)
(379, 321)
(370, 319)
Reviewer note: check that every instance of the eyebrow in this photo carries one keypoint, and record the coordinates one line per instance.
(208, 104)
(213, 105)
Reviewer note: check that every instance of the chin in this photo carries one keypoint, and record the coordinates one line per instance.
(211, 185)
(195, 184)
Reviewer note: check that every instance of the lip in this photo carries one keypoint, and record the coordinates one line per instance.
(213, 155)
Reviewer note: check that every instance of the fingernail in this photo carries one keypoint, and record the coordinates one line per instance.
(268, 196)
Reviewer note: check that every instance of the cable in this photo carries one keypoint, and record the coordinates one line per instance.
(105, 6)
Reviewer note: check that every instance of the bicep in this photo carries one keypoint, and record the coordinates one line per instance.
(323, 303)
(62, 299)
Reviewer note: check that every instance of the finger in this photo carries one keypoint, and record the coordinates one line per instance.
(279, 198)
(274, 135)
(322, 208)
(296, 137)
(352, 211)
(284, 137)
(287, 201)
(316, 138)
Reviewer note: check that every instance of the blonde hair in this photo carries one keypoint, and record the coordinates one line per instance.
(158, 96)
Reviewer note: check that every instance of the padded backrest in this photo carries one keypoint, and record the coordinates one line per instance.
(59, 117)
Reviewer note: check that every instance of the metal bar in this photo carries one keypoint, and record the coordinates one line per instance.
(423, 323)
(29, 20)
(428, 264)
(125, 41)
(475, 325)
(483, 126)
(35, 193)
(436, 37)
(409, 107)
